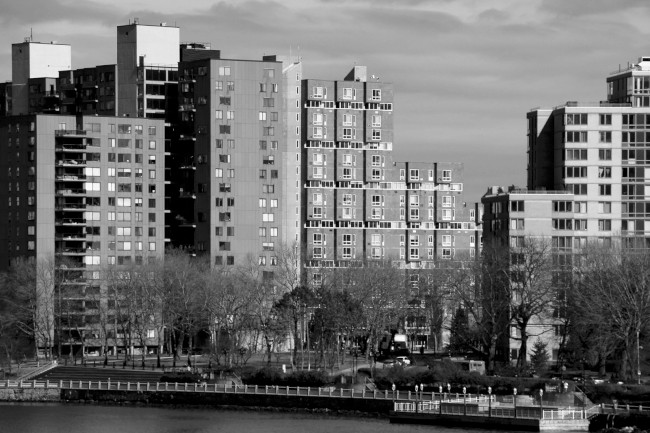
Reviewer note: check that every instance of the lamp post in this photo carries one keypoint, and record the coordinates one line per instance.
(514, 399)
(393, 388)
(489, 401)
(440, 392)
(449, 391)
(638, 358)
(464, 401)
(441, 398)
(416, 399)
(421, 391)
(541, 404)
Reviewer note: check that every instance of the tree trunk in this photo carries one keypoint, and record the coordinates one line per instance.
(523, 349)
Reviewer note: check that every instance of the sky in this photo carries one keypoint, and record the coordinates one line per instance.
(465, 72)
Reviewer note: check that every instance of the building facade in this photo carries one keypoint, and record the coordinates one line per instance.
(587, 182)
(82, 194)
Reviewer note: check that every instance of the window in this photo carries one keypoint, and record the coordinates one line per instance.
(376, 121)
(575, 172)
(604, 172)
(446, 175)
(347, 93)
(604, 207)
(517, 224)
(376, 134)
(576, 188)
(224, 70)
(576, 136)
(517, 206)
(575, 154)
(605, 136)
(350, 120)
(319, 92)
(576, 119)
(605, 119)
(604, 225)
(230, 115)
(604, 154)
(375, 95)
(604, 189)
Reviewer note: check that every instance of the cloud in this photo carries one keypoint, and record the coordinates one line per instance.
(465, 72)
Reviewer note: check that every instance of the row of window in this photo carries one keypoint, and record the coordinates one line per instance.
(581, 155)
(111, 187)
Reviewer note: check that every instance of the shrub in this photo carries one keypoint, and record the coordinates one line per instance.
(181, 377)
(273, 376)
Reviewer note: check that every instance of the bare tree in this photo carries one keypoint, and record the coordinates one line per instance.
(614, 289)
(533, 292)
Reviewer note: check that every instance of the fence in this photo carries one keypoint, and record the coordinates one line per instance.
(202, 388)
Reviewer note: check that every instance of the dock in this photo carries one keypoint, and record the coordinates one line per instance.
(491, 413)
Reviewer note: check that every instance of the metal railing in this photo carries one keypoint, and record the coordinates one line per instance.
(228, 388)
(38, 371)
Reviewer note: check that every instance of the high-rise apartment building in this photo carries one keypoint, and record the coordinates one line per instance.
(35, 67)
(147, 59)
(81, 194)
(360, 206)
(235, 156)
(358, 203)
(587, 177)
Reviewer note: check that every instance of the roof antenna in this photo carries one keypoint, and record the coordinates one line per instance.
(31, 35)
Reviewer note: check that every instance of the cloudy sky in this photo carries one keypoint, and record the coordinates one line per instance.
(465, 71)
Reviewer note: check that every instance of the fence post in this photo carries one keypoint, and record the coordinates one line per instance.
(255, 389)
(341, 389)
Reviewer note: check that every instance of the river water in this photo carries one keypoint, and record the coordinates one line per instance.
(67, 418)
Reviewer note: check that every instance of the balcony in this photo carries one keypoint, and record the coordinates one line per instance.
(186, 107)
(71, 162)
(71, 222)
(69, 133)
(186, 194)
(71, 192)
(72, 252)
(70, 177)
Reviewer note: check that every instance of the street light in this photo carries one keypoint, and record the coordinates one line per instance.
(541, 406)
(393, 387)
(514, 399)
(464, 401)
(421, 391)
(489, 401)
(416, 398)
(449, 391)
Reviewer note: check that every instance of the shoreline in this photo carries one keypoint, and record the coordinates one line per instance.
(231, 408)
